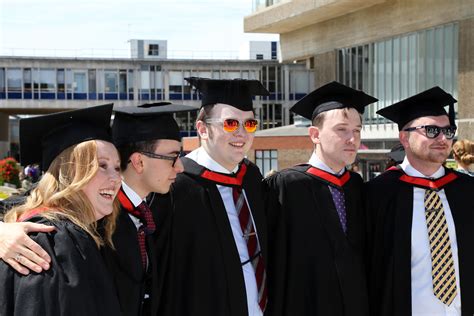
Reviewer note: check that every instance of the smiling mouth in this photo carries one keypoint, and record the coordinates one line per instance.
(237, 145)
(108, 194)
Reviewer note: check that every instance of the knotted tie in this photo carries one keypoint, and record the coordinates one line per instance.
(442, 263)
(147, 228)
(339, 202)
(250, 236)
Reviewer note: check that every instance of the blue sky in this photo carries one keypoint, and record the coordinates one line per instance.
(103, 27)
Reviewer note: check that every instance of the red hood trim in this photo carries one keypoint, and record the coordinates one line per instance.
(337, 181)
(224, 179)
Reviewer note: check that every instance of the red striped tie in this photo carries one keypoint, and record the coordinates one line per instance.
(255, 255)
(147, 228)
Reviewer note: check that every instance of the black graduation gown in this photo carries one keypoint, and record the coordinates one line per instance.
(390, 211)
(313, 267)
(203, 274)
(125, 264)
(77, 283)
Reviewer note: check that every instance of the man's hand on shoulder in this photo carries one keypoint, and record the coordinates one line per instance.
(19, 250)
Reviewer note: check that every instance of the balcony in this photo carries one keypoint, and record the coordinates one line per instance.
(282, 16)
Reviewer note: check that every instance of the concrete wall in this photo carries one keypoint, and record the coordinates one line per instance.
(466, 79)
(325, 68)
(371, 24)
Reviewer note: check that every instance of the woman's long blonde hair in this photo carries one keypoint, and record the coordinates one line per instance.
(60, 192)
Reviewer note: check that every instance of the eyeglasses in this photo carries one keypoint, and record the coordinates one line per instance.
(432, 131)
(157, 156)
(231, 125)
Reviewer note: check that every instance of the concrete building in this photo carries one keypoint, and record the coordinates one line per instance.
(391, 49)
(148, 49)
(38, 85)
(264, 50)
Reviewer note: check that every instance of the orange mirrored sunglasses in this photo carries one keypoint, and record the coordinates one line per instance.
(231, 125)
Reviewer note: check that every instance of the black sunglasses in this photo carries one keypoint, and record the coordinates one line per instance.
(157, 156)
(432, 131)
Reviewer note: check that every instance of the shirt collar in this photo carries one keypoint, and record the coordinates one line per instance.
(409, 170)
(132, 195)
(316, 162)
(201, 157)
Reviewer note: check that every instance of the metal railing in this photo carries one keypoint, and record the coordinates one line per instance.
(116, 53)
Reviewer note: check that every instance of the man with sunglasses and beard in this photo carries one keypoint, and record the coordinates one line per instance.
(214, 264)
(421, 218)
(316, 225)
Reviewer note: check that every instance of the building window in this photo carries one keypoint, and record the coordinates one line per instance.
(80, 82)
(300, 83)
(111, 81)
(266, 160)
(176, 84)
(2, 80)
(186, 122)
(259, 57)
(274, 50)
(61, 78)
(153, 50)
(270, 115)
(401, 66)
(27, 85)
(48, 80)
(123, 81)
(131, 83)
(14, 76)
(92, 81)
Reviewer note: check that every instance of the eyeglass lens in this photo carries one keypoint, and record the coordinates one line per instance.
(433, 131)
(231, 125)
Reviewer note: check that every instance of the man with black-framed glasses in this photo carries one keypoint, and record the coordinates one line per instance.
(421, 218)
(217, 229)
(149, 144)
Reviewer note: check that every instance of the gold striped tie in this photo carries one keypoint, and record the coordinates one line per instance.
(442, 264)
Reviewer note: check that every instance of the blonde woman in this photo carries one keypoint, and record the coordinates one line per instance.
(463, 153)
(78, 189)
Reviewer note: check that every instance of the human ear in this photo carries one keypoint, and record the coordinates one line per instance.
(202, 129)
(314, 134)
(403, 136)
(137, 162)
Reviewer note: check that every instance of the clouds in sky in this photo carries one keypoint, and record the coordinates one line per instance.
(189, 25)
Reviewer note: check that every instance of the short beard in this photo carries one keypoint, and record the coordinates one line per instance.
(430, 156)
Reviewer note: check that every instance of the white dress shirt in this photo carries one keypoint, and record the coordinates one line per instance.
(202, 157)
(135, 199)
(316, 162)
(423, 301)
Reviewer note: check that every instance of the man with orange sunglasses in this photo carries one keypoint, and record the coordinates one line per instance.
(214, 264)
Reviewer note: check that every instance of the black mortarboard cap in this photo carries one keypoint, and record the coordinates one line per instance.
(427, 103)
(235, 92)
(397, 153)
(331, 96)
(147, 122)
(42, 138)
